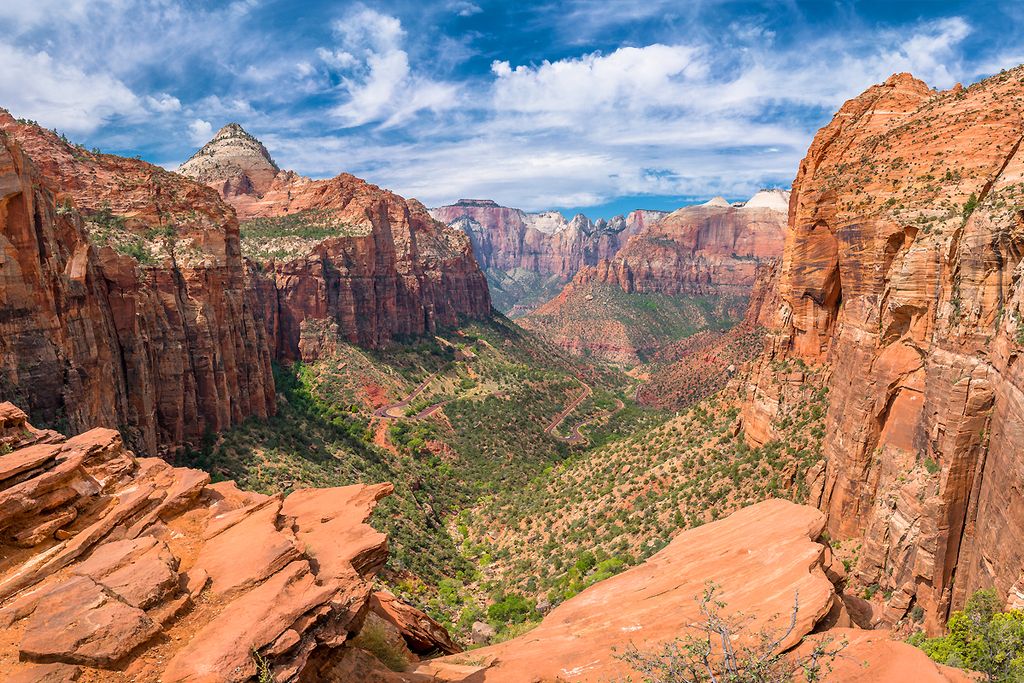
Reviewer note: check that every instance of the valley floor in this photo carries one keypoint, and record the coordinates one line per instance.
(522, 474)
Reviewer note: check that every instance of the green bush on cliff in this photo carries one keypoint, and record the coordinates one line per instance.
(981, 638)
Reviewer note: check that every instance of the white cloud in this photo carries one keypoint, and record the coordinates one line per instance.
(683, 107)
(162, 102)
(464, 8)
(34, 85)
(628, 77)
(200, 131)
(378, 84)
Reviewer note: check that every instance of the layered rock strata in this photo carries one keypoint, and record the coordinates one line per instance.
(528, 257)
(711, 248)
(693, 270)
(902, 273)
(123, 295)
(352, 262)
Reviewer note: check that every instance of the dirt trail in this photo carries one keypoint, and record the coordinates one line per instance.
(388, 411)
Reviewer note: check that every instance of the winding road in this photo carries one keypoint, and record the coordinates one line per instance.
(396, 411)
(575, 435)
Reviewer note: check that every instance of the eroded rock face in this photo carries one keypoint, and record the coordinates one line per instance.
(707, 254)
(712, 248)
(89, 335)
(389, 270)
(509, 241)
(233, 162)
(545, 242)
(902, 272)
(154, 573)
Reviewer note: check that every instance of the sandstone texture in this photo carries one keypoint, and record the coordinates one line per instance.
(233, 162)
(762, 558)
(688, 370)
(119, 568)
(511, 242)
(346, 261)
(124, 296)
(712, 248)
(901, 273)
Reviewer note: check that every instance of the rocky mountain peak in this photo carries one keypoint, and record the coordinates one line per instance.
(777, 200)
(233, 162)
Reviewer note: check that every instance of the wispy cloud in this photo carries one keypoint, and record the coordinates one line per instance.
(532, 104)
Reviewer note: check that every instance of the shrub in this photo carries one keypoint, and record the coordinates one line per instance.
(510, 609)
(697, 658)
(374, 639)
(981, 638)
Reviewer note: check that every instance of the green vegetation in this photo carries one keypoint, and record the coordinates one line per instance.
(374, 638)
(502, 386)
(981, 638)
(604, 316)
(293, 234)
(607, 508)
(970, 205)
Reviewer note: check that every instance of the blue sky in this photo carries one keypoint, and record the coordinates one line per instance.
(579, 105)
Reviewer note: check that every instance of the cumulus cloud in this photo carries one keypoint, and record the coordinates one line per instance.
(378, 85)
(35, 85)
(678, 102)
(200, 131)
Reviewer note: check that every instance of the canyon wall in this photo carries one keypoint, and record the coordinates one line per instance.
(689, 273)
(546, 242)
(162, 343)
(378, 267)
(712, 248)
(528, 257)
(901, 273)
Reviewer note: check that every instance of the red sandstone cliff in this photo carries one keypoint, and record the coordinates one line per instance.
(696, 267)
(545, 243)
(902, 273)
(388, 269)
(510, 242)
(162, 343)
(710, 248)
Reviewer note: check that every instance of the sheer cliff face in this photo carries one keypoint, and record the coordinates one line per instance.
(162, 343)
(692, 271)
(545, 242)
(383, 268)
(508, 242)
(706, 249)
(902, 272)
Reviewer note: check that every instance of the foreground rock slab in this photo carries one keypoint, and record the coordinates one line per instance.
(148, 572)
(761, 557)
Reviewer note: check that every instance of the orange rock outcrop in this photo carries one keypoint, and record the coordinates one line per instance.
(902, 272)
(762, 558)
(114, 568)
